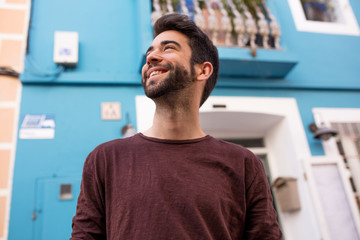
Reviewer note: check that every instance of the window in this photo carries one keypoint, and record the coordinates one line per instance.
(324, 16)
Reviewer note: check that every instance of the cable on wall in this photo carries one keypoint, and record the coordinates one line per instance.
(8, 71)
(41, 72)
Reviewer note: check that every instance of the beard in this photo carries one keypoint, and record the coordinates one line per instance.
(178, 78)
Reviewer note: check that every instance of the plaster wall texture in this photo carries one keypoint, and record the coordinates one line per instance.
(13, 32)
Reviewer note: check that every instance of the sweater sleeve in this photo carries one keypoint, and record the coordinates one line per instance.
(261, 222)
(89, 220)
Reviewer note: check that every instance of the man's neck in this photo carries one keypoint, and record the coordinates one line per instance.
(176, 122)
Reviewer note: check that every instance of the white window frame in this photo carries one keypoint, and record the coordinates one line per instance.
(324, 117)
(347, 26)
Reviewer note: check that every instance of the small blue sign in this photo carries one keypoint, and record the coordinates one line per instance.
(37, 127)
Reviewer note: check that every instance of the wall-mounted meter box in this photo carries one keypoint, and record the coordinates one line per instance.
(66, 48)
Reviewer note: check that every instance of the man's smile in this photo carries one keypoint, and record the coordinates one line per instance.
(155, 71)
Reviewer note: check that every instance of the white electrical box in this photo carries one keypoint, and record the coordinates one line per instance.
(66, 48)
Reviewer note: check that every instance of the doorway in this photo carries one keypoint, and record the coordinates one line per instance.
(275, 120)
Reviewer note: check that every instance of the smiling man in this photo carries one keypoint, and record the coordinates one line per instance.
(174, 181)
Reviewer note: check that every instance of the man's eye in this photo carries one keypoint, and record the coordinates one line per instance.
(168, 47)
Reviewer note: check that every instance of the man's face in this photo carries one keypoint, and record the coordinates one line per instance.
(167, 68)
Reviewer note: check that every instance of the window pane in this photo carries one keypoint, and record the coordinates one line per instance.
(336, 208)
(319, 10)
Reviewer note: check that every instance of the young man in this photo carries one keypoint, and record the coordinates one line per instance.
(173, 181)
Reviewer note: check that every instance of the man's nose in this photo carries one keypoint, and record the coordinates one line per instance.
(153, 57)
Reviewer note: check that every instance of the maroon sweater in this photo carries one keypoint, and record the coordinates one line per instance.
(142, 188)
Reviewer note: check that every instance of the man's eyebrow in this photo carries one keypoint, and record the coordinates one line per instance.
(163, 43)
(149, 49)
(170, 41)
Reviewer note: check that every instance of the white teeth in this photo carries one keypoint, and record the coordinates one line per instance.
(155, 73)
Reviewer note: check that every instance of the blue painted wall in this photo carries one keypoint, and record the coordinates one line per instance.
(78, 130)
(113, 37)
(325, 60)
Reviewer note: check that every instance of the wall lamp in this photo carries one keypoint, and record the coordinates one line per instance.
(128, 130)
(323, 133)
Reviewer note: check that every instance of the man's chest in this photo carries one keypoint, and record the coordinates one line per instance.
(169, 182)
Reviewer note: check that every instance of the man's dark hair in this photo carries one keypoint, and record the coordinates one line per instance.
(202, 48)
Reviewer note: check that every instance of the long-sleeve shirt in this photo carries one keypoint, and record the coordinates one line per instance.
(147, 188)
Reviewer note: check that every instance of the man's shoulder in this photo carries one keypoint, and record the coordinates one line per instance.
(229, 146)
(119, 144)
(235, 152)
(116, 148)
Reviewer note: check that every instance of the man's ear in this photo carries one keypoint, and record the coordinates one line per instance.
(204, 71)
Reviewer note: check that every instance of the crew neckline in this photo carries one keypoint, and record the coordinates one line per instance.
(172, 141)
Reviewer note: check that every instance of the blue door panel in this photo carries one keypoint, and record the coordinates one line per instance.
(54, 211)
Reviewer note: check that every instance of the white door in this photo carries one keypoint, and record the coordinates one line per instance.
(345, 150)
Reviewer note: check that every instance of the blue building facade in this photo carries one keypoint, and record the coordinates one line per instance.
(314, 77)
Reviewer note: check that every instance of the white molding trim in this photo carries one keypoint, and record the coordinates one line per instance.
(8, 104)
(336, 115)
(13, 6)
(16, 37)
(315, 194)
(324, 116)
(6, 146)
(259, 150)
(26, 33)
(4, 192)
(347, 26)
